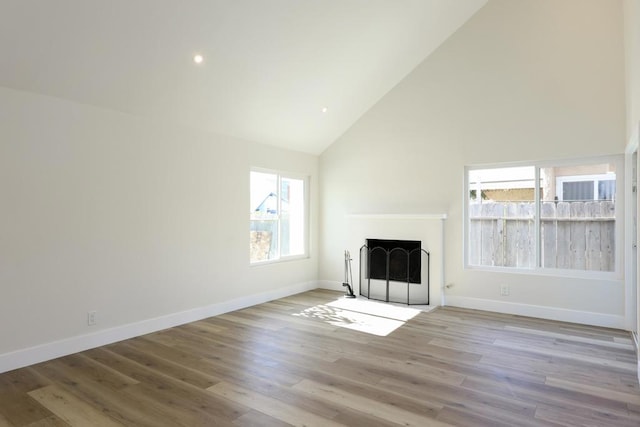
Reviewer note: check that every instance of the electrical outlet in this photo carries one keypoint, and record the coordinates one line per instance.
(92, 318)
(504, 290)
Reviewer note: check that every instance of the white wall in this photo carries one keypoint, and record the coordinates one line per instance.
(522, 80)
(134, 219)
(632, 63)
(632, 56)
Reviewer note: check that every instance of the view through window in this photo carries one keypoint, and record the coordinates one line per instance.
(277, 217)
(560, 217)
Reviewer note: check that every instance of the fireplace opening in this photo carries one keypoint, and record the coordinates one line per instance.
(402, 258)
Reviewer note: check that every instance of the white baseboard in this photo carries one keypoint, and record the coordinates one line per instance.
(332, 285)
(40, 353)
(29, 356)
(539, 311)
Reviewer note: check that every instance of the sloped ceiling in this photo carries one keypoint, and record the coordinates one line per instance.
(269, 67)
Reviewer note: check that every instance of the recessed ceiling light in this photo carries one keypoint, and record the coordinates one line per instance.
(324, 109)
(198, 58)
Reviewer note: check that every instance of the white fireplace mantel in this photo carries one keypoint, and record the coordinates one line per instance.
(426, 227)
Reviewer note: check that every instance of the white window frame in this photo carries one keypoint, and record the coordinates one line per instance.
(618, 160)
(280, 175)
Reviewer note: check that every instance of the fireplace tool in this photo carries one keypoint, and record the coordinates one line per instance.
(348, 275)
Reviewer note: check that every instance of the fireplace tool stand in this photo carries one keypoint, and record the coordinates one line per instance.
(348, 275)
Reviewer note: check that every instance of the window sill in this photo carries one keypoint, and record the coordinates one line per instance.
(549, 272)
(279, 260)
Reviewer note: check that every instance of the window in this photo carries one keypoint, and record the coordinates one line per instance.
(278, 216)
(590, 187)
(544, 216)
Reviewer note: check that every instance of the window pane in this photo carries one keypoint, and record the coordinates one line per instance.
(264, 195)
(263, 232)
(501, 217)
(292, 216)
(606, 190)
(263, 240)
(577, 217)
(580, 190)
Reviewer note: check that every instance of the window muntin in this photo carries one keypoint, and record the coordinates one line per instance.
(529, 218)
(277, 217)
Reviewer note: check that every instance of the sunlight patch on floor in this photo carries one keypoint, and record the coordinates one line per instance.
(375, 308)
(366, 316)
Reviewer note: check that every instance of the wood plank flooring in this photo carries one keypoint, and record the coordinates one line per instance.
(289, 362)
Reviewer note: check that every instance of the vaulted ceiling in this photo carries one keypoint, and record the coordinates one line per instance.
(270, 66)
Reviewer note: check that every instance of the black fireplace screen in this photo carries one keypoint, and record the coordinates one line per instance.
(401, 258)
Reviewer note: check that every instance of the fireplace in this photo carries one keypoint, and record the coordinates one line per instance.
(399, 259)
(386, 265)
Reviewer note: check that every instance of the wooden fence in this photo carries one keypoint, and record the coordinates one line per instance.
(574, 235)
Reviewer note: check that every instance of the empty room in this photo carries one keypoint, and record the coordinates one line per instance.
(319, 213)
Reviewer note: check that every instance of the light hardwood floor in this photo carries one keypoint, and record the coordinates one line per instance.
(288, 363)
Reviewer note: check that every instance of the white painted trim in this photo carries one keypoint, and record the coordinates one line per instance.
(538, 311)
(636, 346)
(332, 285)
(630, 288)
(542, 312)
(634, 141)
(40, 353)
(442, 266)
(398, 216)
